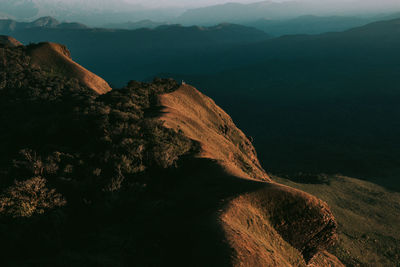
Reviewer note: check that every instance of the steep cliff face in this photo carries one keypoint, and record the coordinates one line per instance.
(152, 174)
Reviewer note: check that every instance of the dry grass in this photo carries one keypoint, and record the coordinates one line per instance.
(56, 58)
(281, 225)
(267, 224)
(200, 119)
(368, 217)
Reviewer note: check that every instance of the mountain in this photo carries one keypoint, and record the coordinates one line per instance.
(30, 8)
(309, 24)
(134, 25)
(144, 51)
(285, 10)
(8, 26)
(45, 22)
(150, 174)
(56, 58)
(327, 101)
(239, 13)
(91, 12)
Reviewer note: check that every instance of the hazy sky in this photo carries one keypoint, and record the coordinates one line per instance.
(198, 3)
(190, 3)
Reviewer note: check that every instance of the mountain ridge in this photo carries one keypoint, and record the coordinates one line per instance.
(121, 154)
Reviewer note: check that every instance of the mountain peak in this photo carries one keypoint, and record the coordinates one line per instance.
(56, 57)
(48, 22)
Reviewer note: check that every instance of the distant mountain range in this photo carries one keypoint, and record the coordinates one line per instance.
(103, 12)
(8, 26)
(91, 12)
(326, 101)
(306, 24)
(309, 24)
(149, 24)
(271, 10)
(144, 51)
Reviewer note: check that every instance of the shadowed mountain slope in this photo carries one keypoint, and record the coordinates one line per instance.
(152, 174)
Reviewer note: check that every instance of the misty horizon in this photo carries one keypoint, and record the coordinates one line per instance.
(100, 12)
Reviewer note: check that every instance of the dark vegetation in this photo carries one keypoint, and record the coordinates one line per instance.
(75, 166)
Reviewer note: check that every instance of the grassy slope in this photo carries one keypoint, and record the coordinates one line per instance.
(265, 224)
(368, 217)
(56, 58)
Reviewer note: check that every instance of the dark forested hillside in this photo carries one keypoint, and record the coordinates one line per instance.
(66, 152)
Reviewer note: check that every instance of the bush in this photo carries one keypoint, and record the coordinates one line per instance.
(30, 197)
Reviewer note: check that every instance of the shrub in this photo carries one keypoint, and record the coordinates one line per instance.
(30, 197)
